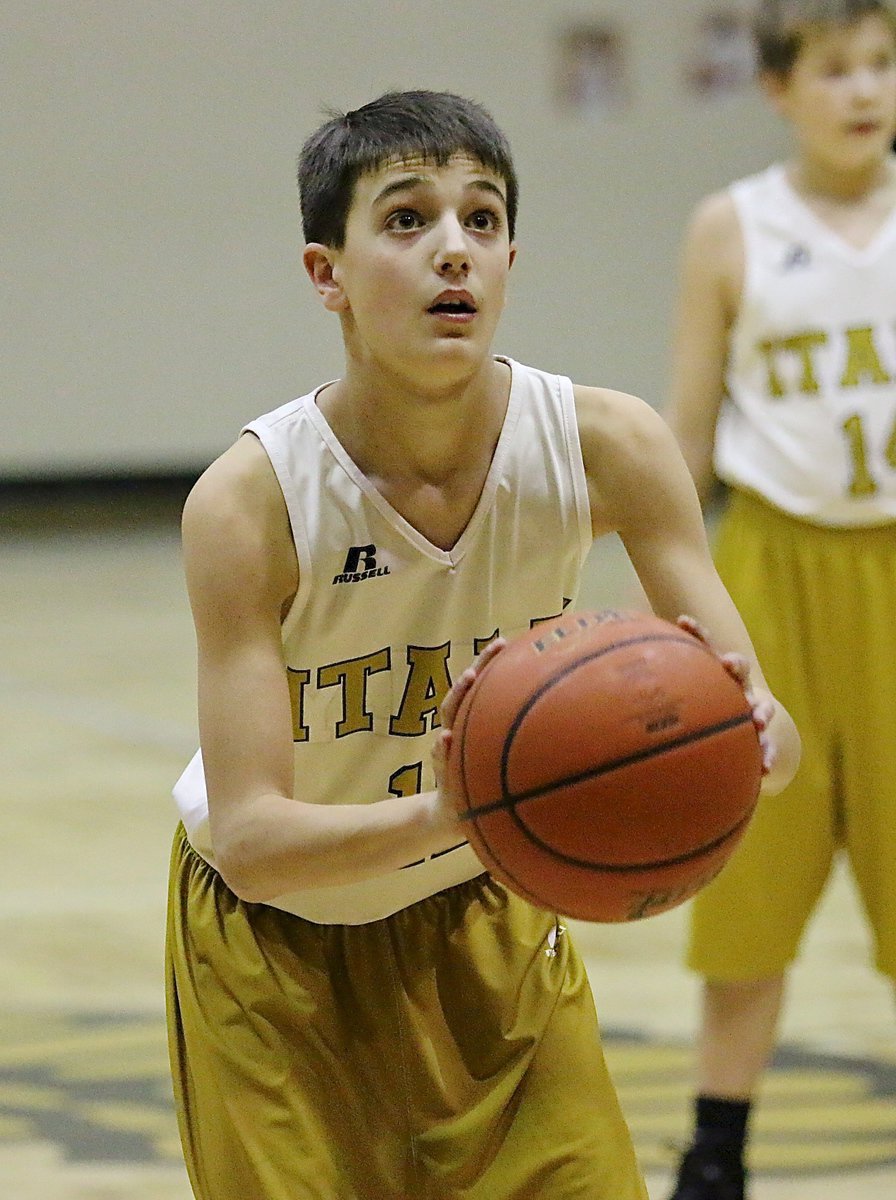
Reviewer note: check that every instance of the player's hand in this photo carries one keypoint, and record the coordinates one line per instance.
(738, 667)
(451, 703)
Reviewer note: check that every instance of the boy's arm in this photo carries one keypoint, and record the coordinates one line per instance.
(640, 488)
(708, 296)
(241, 575)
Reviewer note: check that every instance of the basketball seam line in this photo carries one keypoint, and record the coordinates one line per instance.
(510, 800)
(609, 868)
(570, 668)
(546, 685)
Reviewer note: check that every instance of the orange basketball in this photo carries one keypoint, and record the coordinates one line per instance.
(605, 765)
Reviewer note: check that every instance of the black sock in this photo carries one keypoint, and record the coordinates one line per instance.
(721, 1124)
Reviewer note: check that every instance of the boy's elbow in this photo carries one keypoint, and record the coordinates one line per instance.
(240, 879)
(242, 869)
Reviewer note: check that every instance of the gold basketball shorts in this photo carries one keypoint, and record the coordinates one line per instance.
(820, 606)
(449, 1052)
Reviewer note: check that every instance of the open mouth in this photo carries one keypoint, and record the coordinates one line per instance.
(453, 306)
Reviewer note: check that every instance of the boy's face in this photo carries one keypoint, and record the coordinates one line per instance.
(841, 92)
(420, 281)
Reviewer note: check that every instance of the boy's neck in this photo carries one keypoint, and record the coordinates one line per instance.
(391, 429)
(815, 180)
(427, 455)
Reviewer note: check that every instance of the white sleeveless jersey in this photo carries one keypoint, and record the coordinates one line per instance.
(384, 620)
(809, 420)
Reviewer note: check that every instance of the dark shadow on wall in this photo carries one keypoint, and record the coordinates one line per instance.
(34, 508)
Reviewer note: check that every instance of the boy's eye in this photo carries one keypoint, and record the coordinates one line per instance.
(484, 220)
(404, 219)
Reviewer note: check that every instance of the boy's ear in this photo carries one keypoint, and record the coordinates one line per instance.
(323, 271)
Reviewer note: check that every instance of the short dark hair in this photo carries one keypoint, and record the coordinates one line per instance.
(780, 26)
(430, 125)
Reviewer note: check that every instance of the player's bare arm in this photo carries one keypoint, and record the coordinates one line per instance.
(640, 488)
(708, 296)
(242, 574)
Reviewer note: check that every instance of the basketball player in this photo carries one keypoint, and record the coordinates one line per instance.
(784, 383)
(357, 1011)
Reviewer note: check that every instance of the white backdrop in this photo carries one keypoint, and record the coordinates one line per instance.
(153, 298)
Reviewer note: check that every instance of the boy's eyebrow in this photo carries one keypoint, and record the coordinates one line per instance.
(409, 182)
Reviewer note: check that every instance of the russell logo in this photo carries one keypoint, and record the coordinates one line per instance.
(360, 563)
(796, 256)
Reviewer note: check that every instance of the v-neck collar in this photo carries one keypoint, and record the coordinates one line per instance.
(413, 535)
(845, 248)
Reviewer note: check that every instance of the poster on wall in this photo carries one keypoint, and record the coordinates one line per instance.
(724, 59)
(592, 75)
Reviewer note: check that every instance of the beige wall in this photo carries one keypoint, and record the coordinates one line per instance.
(153, 297)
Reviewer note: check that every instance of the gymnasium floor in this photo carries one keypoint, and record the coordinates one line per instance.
(96, 704)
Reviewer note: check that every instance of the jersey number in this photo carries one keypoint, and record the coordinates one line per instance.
(406, 781)
(863, 482)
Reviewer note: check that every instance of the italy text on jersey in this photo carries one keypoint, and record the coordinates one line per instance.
(427, 679)
(800, 361)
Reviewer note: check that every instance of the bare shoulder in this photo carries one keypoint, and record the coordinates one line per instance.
(632, 461)
(616, 425)
(235, 526)
(714, 247)
(238, 485)
(714, 221)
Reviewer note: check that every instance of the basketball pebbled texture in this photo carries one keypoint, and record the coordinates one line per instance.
(605, 765)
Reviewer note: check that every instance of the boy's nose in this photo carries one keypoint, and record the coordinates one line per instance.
(865, 84)
(453, 253)
(450, 263)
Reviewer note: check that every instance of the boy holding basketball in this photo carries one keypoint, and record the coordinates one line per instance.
(784, 383)
(356, 1010)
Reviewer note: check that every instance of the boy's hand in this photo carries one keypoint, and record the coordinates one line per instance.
(738, 667)
(448, 713)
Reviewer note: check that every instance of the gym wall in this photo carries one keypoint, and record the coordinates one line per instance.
(154, 298)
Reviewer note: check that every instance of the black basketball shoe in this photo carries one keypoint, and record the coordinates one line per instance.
(710, 1173)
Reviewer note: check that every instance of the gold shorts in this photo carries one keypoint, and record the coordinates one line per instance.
(445, 1053)
(819, 605)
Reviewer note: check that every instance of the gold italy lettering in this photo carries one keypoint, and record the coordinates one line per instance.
(774, 385)
(802, 345)
(479, 644)
(427, 684)
(352, 676)
(863, 362)
(298, 681)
